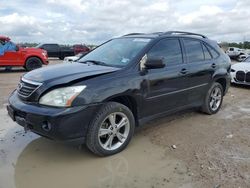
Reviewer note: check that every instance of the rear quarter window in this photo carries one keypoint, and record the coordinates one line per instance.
(214, 53)
(207, 53)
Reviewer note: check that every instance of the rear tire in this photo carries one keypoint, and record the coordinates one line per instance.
(213, 99)
(111, 129)
(33, 63)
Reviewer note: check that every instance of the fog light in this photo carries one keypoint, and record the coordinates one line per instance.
(46, 126)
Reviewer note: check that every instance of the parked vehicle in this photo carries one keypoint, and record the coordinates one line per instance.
(125, 82)
(55, 50)
(80, 48)
(71, 59)
(235, 53)
(242, 57)
(240, 72)
(29, 58)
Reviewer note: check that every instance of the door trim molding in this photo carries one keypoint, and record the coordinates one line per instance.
(178, 91)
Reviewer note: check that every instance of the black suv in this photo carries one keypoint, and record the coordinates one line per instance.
(123, 83)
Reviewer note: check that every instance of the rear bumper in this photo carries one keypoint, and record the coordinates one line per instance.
(61, 124)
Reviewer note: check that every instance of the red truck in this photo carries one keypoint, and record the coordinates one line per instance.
(80, 48)
(29, 58)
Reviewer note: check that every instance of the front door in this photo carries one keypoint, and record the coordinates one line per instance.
(10, 58)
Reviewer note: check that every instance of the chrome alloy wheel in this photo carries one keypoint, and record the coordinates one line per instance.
(114, 131)
(215, 98)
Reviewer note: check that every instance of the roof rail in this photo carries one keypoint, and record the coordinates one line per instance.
(159, 32)
(183, 33)
(134, 34)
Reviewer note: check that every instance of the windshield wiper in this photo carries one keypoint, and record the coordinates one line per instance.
(94, 62)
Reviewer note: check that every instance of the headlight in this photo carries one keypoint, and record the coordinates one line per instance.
(62, 97)
(45, 54)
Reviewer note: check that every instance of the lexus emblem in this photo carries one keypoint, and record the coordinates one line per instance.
(20, 85)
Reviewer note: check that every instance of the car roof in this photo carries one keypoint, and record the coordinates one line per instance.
(183, 34)
(164, 34)
(4, 38)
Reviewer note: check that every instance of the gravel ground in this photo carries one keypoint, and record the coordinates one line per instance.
(188, 149)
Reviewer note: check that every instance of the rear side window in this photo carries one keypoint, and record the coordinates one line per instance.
(50, 46)
(194, 51)
(207, 54)
(47, 47)
(169, 50)
(212, 51)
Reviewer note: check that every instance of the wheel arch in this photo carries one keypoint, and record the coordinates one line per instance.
(31, 56)
(128, 101)
(222, 76)
(223, 82)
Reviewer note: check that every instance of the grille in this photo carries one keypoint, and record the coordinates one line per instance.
(248, 77)
(26, 88)
(240, 76)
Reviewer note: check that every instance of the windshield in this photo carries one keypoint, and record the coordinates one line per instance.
(38, 46)
(247, 59)
(117, 52)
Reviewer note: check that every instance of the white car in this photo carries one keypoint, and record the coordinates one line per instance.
(240, 72)
(233, 51)
(242, 57)
(71, 59)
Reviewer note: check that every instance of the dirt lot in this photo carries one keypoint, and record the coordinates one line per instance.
(211, 151)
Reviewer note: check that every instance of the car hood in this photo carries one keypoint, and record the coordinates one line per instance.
(65, 73)
(241, 66)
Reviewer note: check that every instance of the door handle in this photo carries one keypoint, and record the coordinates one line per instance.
(213, 65)
(183, 71)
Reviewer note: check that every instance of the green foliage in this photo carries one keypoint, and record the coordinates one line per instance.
(26, 44)
(243, 45)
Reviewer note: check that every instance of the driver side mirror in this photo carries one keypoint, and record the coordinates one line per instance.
(17, 48)
(154, 63)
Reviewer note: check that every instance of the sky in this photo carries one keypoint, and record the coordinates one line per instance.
(95, 21)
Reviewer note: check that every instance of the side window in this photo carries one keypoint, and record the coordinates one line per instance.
(212, 51)
(54, 46)
(46, 47)
(194, 50)
(169, 50)
(207, 54)
(50, 47)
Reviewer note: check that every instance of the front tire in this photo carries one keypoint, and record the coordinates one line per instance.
(33, 63)
(111, 129)
(214, 99)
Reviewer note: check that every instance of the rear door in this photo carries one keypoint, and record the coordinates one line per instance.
(166, 86)
(201, 67)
